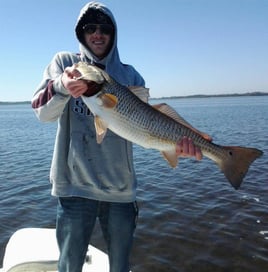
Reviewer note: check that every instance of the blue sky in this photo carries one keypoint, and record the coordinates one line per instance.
(181, 47)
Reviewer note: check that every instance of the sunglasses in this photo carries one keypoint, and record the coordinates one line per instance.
(103, 28)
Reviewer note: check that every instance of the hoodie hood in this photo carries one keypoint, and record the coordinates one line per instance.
(95, 12)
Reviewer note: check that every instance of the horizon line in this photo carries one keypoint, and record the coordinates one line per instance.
(171, 97)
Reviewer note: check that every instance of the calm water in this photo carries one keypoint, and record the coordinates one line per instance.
(191, 219)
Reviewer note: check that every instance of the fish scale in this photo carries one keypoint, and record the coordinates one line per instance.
(130, 112)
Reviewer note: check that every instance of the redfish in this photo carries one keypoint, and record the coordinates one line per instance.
(125, 111)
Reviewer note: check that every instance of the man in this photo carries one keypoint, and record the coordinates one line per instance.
(91, 180)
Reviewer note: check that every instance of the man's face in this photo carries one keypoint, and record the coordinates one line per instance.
(98, 38)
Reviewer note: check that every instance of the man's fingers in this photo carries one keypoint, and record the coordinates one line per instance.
(192, 149)
(198, 153)
(72, 72)
(186, 148)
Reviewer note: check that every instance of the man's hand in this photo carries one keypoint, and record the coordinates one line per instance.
(77, 87)
(186, 148)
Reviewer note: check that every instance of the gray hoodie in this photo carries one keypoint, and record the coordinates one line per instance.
(81, 167)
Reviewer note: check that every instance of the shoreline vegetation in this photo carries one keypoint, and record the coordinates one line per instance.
(167, 97)
(214, 95)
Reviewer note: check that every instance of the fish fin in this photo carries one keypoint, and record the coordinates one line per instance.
(169, 111)
(108, 100)
(89, 72)
(171, 157)
(237, 162)
(141, 92)
(101, 129)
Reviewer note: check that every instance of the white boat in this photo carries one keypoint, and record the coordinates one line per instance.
(36, 250)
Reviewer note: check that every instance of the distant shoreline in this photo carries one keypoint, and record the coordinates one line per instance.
(167, 97)
(14, 102)
(214, 95)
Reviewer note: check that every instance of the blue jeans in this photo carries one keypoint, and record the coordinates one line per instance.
(76, 218)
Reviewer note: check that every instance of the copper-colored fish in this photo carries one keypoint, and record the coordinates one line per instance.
(127, 113)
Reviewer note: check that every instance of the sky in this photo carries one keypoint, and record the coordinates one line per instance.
(180, 47)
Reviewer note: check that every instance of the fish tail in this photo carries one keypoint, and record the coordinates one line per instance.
(236, 163)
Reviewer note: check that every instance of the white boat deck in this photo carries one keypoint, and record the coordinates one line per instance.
(36, 250)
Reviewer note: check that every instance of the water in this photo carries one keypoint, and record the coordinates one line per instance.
(191, 219)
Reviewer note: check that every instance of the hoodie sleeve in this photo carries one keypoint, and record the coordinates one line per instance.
(51, 96)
